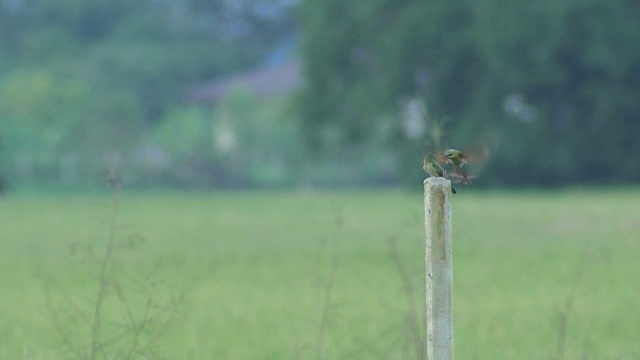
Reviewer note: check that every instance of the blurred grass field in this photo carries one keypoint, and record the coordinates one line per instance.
(257, 265)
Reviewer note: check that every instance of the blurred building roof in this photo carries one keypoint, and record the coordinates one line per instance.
(263, 82)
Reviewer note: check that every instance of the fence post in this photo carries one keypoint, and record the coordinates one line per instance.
(439, 268)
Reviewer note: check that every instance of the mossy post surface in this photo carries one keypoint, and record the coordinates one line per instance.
(439, 268)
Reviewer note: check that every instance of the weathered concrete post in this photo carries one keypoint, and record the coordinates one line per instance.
(439, 264)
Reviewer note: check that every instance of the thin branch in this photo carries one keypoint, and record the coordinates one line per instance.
(565, 313)
(412, 314)
(60, 329)
(103, 283)
(324, 319)
(328, 292)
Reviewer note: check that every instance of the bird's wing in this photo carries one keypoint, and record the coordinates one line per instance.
(476, 153)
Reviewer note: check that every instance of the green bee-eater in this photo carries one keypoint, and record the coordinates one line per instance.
(431, 166)
(474, 154)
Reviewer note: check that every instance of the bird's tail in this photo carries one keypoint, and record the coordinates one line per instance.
(458, 174)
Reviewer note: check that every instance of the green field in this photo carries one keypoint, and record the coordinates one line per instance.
(256, 267)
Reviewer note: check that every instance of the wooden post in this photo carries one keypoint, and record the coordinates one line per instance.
(439, 264)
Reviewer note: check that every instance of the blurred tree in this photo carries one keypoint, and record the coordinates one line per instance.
(43, 106)
(154, 48)
(92, 76)
(3, 162)
(554, 82)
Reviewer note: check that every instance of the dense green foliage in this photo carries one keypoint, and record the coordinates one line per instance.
(258, 266)
(551, 85)
(82, 81)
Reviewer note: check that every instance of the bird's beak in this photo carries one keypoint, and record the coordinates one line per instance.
(447, 156)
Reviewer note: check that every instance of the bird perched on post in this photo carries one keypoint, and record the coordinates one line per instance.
(431, 166)
(474, 154)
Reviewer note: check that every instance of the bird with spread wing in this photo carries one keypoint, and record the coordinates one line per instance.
(431, 166)
(472, 155)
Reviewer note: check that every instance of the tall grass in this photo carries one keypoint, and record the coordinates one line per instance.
(130, 309)
(263, 260)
